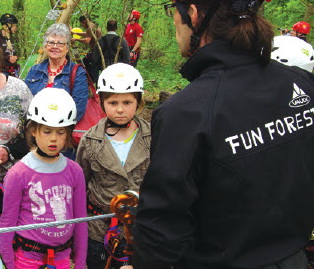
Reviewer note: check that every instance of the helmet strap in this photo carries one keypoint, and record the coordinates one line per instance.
(43, 154)
(111, 124)
(197, 33)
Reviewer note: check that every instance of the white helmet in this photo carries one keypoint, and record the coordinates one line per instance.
(53, 107)
(293, 51)
(120, 78)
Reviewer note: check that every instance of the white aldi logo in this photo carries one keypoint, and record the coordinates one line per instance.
(299, 97)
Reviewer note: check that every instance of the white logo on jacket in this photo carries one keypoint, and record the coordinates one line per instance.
(277, 128)
(299, 97)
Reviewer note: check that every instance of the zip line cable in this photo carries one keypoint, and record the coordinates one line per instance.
(41, 28)
(54, 223)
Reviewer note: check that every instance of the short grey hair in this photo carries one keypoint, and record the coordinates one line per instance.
(58, 29)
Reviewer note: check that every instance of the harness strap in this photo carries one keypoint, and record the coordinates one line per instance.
(95, 210)
(50, 258)
(30, 245)
(111, 237)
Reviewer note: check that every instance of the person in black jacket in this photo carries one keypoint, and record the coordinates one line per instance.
(109, 45)
(231, 179)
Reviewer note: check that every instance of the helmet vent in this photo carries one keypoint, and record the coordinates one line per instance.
(104, 82)
(128, 88)
(135, 83)
(70, 114)
(61, 121)
(43, 119)
(111, 88)
(36, 111)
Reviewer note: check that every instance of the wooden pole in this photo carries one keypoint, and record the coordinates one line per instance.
(67, 12)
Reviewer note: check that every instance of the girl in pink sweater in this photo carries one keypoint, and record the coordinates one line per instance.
(45, 186)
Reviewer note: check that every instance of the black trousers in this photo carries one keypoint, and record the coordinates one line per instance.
(97, 255)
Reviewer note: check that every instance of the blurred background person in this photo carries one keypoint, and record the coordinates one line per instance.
(301, 29)
(109, 45)
(9, 28)
(87, 38)
(133, 35)
(15, 98)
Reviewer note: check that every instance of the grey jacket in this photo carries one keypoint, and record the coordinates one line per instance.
(105, 176)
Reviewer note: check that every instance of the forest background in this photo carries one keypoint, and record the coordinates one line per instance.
(160, 60)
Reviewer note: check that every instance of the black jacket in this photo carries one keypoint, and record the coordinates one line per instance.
(231, 179)
(109, 50)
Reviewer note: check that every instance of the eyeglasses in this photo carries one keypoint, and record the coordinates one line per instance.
(168, 9)
(58, 44)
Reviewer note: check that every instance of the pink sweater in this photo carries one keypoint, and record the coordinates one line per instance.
(32, 197)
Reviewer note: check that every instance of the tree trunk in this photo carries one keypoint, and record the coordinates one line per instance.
(20, 36)
(67, 12)
(309, 17)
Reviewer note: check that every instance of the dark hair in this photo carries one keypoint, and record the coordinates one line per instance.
(83, 18)
(246, 30)
(33, 126)
(138, 96)
(112, 25)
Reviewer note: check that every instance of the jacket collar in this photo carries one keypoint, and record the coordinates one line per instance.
(43, 66)
(214, 56)
(136, 156)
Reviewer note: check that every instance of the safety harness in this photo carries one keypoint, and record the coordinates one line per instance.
(30, 245)
(111, 239)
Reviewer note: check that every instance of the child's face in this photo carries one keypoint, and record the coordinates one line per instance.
(51, 140)
(120, 107)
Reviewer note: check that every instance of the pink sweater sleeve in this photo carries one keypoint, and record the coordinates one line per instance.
(11, 206)
(80, 231)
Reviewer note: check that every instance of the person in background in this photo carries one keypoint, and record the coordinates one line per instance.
(15, 98)
(109, 45)
(45, 186)
(9, 28)
(133, 35)
(284, 32)
(114, 154)
(230, 183)
(301, 29)
(56, 70)
(87, 38)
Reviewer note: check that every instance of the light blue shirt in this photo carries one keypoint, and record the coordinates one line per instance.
(122, 148)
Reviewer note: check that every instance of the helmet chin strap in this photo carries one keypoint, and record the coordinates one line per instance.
(43, 154)
(111, 124)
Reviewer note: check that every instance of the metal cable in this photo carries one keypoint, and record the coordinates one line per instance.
(35, 44)
(54, 223)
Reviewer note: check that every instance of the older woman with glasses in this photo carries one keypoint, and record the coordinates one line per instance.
(55, 71)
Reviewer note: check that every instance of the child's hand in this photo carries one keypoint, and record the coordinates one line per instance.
(126, 267)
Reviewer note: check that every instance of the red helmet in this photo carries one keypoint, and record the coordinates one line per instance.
(136, 14)
(302, 27)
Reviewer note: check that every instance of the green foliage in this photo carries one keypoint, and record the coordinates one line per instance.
(285, 13)
(160, 59)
